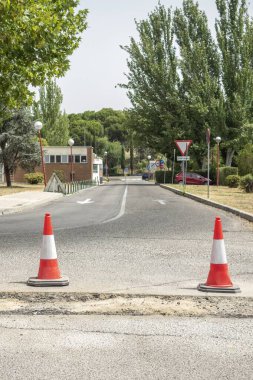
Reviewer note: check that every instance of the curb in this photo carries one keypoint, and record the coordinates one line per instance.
(234, 211)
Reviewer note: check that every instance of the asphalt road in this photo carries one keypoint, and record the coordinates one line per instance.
(125, 348)
(126, 236)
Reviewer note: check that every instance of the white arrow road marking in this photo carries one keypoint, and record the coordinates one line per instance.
(85, 202)
(160, 201)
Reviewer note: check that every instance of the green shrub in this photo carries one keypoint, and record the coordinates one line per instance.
(34, 178)
(246, 183)
(159, 176)
(232, 180)
(245, 160)
(60, 174)
(226, 171)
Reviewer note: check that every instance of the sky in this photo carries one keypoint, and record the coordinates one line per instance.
(99, 63)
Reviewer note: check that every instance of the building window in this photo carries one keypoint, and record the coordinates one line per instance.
(64, 159)
(52, 159)
(83, 159)
(95, 168)
(58, 159)
(77, 159)
(47, 159)
(70, 159)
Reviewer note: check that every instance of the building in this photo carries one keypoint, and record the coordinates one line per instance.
(86, 166)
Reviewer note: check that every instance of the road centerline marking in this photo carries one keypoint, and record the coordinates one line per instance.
(122, 208)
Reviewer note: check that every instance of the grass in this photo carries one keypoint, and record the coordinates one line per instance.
(235, 198)
(19, 187)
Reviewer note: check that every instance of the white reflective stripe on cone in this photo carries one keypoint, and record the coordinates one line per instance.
(48, 250)
(218, 255)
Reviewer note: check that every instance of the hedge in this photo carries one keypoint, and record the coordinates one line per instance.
(225, 171)
(232, 180)
(159, 176)
(246, 183)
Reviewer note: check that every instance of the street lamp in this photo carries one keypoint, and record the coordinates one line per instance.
(38, 125)
(149, 158)
(106, 164)
(218, 140)
(71, 143)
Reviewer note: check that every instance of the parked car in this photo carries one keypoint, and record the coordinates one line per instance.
(192, 179)
(145, 176)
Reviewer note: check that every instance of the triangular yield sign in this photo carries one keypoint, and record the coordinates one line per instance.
(183, 145)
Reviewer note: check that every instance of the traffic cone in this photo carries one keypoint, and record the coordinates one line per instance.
(49, 272)
(218, 279)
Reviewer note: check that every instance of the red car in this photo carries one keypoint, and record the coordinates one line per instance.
(192, 179)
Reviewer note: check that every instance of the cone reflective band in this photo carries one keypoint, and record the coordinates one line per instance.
(218, 279)
(49, 272)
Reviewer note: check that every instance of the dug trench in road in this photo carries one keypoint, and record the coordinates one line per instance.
(119, 304)
(153, 248)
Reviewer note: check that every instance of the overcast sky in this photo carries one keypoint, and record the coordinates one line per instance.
(99, 64)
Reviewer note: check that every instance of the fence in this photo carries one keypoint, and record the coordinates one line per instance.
(75, 186)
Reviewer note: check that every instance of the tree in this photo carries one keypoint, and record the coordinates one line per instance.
(18, 143)
(37, 38)
(199, 65)
(48, 110)
(234, 32)
(153, 81)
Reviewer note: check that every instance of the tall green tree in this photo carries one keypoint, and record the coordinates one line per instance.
(199, 65)
(48, 108)
(153, 80)
(234, 31)
(18, 143)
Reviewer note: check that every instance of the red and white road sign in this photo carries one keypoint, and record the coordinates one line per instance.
(183, 145)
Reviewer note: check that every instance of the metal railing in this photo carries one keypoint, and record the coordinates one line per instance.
(73, 187)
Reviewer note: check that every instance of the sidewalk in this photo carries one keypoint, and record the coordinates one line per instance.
(17, 202)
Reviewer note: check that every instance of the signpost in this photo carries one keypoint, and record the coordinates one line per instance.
(208, 135)
(183, 146)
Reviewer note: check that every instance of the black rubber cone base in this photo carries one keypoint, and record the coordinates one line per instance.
(34, 281)
(214, 289)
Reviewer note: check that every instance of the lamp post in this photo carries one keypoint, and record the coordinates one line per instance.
(38, 125)
(106, 164)
(218, 140)
(149, 158)
(71, 143)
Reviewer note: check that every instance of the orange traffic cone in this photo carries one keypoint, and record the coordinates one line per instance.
(218, 278)
(49, 273)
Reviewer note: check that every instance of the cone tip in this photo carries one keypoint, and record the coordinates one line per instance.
(48, 229)
(218, 234)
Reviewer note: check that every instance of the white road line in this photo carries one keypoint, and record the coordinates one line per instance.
(122, 209)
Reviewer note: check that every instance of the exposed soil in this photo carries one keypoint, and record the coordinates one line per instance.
(118, 304)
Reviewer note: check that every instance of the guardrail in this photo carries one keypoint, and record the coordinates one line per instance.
(73, 187)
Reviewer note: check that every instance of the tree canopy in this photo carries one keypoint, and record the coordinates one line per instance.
(37, 38)
(182, 80)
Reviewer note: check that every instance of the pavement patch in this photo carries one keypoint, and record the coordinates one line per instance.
(129, 304)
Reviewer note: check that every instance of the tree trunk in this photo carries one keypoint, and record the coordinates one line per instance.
(7, 176)
(131, 156)
(229, 156)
